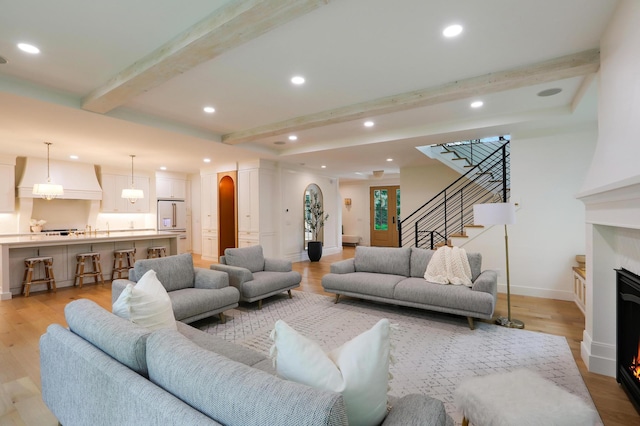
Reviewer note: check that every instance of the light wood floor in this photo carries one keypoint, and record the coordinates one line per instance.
(23, 320)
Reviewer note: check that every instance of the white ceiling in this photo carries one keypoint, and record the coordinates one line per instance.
(350, 52)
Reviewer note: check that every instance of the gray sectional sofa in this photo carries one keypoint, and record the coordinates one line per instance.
(105, 370)
(396, 275)
(195, 293)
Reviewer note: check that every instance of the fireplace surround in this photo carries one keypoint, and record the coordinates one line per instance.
(628, 334)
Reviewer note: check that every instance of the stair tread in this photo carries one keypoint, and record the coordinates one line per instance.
(473, 226)
(459, 235)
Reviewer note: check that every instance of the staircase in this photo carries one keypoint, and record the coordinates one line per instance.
(449, 214)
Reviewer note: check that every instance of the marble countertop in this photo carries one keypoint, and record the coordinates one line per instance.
(44, 239)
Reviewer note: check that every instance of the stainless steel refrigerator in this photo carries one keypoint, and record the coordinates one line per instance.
(172, 215)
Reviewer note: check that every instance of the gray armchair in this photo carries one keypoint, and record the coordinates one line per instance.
(255, 276)
(195, 293)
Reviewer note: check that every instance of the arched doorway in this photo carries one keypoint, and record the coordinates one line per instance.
(227, 217)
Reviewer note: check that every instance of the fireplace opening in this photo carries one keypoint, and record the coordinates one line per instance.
(628, 334)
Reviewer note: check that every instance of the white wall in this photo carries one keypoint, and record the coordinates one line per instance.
(618, 150)
(547, 169)
(356, 217)
(419, 184)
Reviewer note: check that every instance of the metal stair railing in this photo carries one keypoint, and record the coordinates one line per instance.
(445, 214)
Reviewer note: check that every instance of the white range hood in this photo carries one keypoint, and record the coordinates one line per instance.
(79, 180)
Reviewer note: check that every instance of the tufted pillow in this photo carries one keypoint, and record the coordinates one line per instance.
(359, 369)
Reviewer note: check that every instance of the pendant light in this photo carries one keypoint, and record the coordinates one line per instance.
(48, 190)
(132, 194)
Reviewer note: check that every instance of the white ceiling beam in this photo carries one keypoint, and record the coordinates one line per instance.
(569, 66)
(228, 27)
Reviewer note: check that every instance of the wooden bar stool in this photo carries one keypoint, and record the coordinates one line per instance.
(30, 263)
(81, 273)
(156, 251)
(123, 260)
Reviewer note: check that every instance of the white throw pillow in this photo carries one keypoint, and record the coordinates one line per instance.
(359, 369)
(146, 303)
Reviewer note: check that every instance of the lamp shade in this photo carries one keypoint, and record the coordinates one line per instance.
(132, 194)
(494, 214)
(48, 191)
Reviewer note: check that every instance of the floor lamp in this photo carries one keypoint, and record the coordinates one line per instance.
(499, 214)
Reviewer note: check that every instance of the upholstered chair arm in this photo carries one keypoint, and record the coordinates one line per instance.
(237, 275)
(210, 279)
(132, 275)
(346, 266)
(277, 265)
(117, 286)
(417, 409)
(487, 281)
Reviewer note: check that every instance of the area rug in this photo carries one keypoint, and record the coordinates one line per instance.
(433, 352)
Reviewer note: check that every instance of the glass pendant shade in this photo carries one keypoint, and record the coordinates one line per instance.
(132, 194)
(48, 190)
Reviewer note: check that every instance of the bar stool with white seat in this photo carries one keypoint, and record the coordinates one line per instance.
(92, 258)
(123, 260)
(30, 263)
(156, 251)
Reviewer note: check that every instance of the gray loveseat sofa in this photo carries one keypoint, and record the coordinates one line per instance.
(105, 370)
(195, 293)
(396, 275)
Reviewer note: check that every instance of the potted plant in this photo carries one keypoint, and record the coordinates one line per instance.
(314, 217)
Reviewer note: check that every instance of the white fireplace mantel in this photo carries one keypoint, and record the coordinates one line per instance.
(612, 215)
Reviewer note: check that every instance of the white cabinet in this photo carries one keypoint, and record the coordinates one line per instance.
(112, 201)
(256, 209)
(209, 246)
(209, 202)
(171, 188)
(7, 188)
(248, 202)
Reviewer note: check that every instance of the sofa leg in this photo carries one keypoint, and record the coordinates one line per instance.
(470, 321)
(260, 304)
(223, 319)
(290, 296)
(337, 297)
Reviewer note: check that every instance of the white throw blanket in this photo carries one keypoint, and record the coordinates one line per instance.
(449, 265)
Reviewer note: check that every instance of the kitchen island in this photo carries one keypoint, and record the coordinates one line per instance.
(15, 249)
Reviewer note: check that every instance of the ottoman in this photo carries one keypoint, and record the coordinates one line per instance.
(520, 397)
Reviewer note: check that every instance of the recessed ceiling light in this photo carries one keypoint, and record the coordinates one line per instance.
(452, 30)
(74, 157)
(550, 92)
(298, 80)
(209, 109)
(368, 124)
(29, 48)
(389, 159)
(476, 104)
(323, 167)
(293, 138)
(207, 160)
(163, 168)
(358, 173)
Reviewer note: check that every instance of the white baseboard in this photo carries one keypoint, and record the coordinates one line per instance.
(599, 358)
(538, 292)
